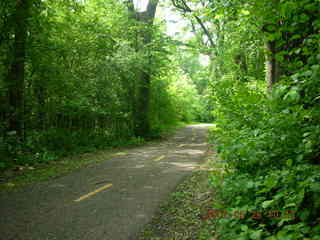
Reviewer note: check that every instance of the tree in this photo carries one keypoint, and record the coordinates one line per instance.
(142, 103)
(16, 74)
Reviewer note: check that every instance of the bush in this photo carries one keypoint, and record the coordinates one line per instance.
(270, 145)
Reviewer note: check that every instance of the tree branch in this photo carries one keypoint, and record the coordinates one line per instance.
(184, 7)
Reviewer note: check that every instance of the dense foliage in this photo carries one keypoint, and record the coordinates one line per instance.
(80, 75)
(271, 157)
(72, 81)
(267, 133)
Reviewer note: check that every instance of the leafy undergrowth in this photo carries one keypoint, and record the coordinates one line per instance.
(53, 144)
(185, 215)
(280, 205)
(270, 188)
(22, 175)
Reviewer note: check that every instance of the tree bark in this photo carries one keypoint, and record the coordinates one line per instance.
(272, 65)
(142, 103)
(16, 73)
(142, 124)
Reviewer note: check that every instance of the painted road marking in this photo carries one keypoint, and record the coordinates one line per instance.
(160, 158)
(120, 154)
(93, 193)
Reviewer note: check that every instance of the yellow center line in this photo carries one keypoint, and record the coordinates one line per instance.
(93, 193)
(120, 154)
(160, 158)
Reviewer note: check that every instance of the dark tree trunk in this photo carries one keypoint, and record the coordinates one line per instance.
(141, 112)
(142, 125)
(244, 65)
(16, 73)
(241, 60)
(40, 94)
(273, 71)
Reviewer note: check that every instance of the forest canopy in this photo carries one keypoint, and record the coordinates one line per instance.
(76, 76)
(86, 74)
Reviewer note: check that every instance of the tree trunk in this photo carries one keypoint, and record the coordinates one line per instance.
(141, 112)
(40, 96)
(16, 73)
(142, 125)
(272, 66)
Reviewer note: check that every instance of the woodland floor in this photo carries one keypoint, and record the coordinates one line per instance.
(113, 199)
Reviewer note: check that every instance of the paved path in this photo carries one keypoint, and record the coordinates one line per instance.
(107, 201)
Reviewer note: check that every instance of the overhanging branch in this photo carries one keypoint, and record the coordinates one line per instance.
(182, 5)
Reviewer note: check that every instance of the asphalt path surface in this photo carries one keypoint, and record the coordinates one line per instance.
(111, 200)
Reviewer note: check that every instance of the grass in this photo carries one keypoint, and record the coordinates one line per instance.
(23, 175)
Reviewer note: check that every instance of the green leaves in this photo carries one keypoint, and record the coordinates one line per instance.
(244, 228)
(267, 204)
(271, 144)
(256, 235)
(271, 181)
(289, 162)
(293, 95)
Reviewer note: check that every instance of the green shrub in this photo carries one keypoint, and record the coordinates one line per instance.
(270, 145)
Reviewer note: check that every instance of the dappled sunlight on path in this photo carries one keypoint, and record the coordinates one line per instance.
(109, 200)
